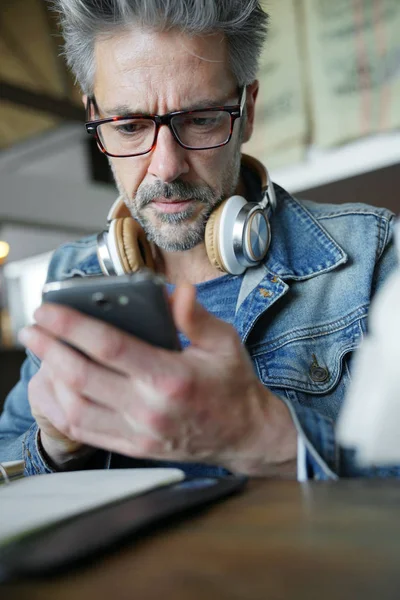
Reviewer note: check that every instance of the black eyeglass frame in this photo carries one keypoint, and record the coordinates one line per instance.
(235, 111)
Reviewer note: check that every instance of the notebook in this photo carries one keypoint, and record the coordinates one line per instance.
(56, 522)
(30, 503)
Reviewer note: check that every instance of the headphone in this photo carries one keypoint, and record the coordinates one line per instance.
(237, 234)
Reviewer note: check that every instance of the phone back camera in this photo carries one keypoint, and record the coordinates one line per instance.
(101, 301)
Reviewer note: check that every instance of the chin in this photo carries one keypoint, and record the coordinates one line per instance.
(175, 238)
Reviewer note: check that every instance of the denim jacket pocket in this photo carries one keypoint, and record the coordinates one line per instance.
(311, 368)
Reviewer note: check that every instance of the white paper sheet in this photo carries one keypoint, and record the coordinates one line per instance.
(33, 502)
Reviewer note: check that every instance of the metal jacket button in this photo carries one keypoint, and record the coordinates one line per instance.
(318, 374)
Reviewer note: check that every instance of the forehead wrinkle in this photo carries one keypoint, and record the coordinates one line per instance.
(130, 52)
(126, 110)
(172, 77)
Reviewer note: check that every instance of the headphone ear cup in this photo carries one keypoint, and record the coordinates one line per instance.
(211, 237)
(133, 248)
(220, 235)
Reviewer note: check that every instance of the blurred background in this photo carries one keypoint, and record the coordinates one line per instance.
(328, 128)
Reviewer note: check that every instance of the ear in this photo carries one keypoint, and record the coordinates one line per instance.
(252, 93)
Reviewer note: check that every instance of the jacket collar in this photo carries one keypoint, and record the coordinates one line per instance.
(300, 247)
(88, 266)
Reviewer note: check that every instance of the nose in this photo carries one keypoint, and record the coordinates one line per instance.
(168, 159)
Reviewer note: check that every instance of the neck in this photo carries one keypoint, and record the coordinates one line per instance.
(192, 266)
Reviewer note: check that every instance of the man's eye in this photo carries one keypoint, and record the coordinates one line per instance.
(133, 128)
(202, 121)
(129, 128)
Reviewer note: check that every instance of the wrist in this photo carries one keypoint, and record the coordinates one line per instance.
(62, 455)
(270, 449)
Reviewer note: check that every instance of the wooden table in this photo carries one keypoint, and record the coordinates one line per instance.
(277, 540)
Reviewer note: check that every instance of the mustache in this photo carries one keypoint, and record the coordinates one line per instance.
(178, 189)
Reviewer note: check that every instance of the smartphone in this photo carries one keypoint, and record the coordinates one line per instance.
(136, 303)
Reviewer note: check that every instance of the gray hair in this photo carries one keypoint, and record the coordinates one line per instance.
(243, 22)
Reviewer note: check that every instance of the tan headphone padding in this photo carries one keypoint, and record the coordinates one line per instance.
(130, 239)
(256, 167)
(211, 237)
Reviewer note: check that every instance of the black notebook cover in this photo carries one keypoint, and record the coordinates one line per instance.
(75, 541)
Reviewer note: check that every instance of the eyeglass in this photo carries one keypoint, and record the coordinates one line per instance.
(134, 135)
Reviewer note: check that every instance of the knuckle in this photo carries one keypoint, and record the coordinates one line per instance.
(110, 345)
(77, 375)
(63, 321)
(149, 446)
(177, 389)
(157, 422)
(74, 412)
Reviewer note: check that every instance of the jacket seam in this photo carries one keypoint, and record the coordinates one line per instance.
(338, 325)
(307, 387)
(383, 239)
(367, 213)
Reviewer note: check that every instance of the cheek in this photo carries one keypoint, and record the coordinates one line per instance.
(210, 166)
(129, 173)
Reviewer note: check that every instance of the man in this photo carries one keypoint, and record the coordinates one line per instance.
(265, 367)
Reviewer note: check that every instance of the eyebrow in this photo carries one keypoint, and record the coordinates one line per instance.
(123, 110)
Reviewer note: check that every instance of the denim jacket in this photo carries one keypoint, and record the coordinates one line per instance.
(301, 315)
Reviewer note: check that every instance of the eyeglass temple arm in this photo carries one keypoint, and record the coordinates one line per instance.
(91, 101)
(243, 99)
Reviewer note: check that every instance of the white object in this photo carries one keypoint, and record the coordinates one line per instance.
(301, 461)
(370, 418)
(33, 502)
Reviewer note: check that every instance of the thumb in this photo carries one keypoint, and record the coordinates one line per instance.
(196, 323)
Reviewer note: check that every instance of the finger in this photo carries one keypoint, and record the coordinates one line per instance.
(158, 389)
(45, 410)
(201, 327)
(104, 428)
(95, 381)
(102, 342)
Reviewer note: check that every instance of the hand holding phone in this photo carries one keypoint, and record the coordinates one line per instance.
(137, 304)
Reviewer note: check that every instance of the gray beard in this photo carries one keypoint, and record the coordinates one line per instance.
(173, 232)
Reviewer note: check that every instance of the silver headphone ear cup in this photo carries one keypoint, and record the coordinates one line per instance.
(243, 236)
(103, 254)
(228, 221)
(110, 240)
(256, 236)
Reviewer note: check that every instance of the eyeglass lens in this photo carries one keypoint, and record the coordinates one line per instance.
(196, 130)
